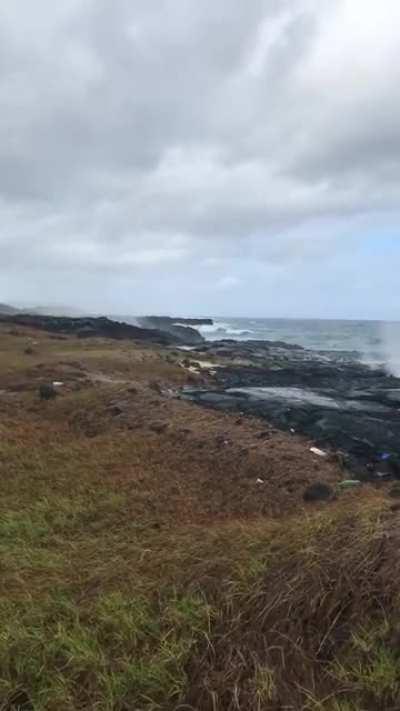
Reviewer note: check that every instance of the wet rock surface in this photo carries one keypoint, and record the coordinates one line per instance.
(331, 397)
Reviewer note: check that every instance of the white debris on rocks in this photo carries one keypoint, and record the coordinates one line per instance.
(318, 452)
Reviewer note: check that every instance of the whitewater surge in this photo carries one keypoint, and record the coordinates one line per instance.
(220, 330)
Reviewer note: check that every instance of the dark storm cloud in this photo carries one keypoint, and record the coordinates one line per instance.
(139, 139)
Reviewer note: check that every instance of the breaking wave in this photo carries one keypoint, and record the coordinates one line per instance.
(220, 330)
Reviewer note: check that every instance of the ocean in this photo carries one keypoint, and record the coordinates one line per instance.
(374, 342)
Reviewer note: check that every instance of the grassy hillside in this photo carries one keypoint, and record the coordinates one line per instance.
(143, 567)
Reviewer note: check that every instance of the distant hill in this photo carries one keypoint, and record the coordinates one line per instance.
(55, 311)
(7, 310)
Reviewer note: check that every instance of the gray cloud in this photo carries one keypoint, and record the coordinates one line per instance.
(150, 149)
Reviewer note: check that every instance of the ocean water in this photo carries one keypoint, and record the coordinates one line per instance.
(373, 342)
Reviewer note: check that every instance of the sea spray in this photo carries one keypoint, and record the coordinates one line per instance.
(390, 340)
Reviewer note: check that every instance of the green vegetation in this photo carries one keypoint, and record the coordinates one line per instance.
(108, 654)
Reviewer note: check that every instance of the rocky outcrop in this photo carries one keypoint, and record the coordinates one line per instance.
(91, 327)
(330, 397)
(180, 328)
(319, 491)
(47, 392)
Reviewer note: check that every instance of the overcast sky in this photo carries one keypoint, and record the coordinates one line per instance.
(213, 157)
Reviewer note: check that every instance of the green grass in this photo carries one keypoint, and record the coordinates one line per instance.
(370, 670)
(116, 651)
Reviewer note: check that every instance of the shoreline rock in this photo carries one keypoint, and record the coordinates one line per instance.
(182, 328)
(91, 327)
(332, 398)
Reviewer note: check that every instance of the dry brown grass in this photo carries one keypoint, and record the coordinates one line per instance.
(327, 584)
(142, 567)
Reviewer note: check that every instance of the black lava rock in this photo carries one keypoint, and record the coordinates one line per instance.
(318, 492)
(47, 392)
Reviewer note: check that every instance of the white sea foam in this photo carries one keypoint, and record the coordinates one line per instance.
(216, 326)
(220, 330)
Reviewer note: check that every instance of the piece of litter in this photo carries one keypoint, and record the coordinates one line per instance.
(349, 483)
(57, 383)
(318, 452)
(260, 481)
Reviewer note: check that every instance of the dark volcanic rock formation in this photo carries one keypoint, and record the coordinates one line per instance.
(319, 491)
(90, 327)
(47, 392)
(330, 397)
(179, 327)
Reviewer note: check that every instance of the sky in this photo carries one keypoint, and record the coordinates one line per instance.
(201, 158)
